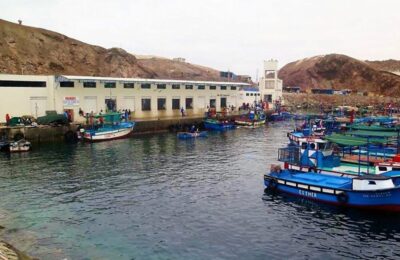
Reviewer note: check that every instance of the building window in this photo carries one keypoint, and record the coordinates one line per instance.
(213, 87)
(161, 86)
(23, 84)
(89, 84)
(189, 87)
(161, 103)
(176, 86)
(201, 87)
(129, 85)
(145, 86)
(176, 104)
(189, 103)
(223, 87)
(233, 88)
(109, 85)
(146, 104)
(247, 94)
(67, 84)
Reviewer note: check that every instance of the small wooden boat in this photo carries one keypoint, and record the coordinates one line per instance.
(188, 135)
(20, 146)
(112, 129)
(218, 125)
(252, 119)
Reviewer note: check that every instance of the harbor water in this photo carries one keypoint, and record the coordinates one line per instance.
(157, 197)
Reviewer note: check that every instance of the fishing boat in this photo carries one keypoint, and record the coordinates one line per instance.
(254, 118)
(111, 129)
(20, 146)
(188, 135)
(375, 192)
(218, 124)
(280, 116)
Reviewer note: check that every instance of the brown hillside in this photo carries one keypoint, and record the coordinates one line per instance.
(29, 50)
(339, 72)
(385, 65)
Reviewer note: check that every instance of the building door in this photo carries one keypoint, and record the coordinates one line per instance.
(111, 104)
(38, 106)
(129, 103)
(201, 102)
(213, 103)
(90, 105)
(223, 102)
(268, 98)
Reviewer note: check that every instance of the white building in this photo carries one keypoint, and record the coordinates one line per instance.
(249, 95)
(146, 98)
(270, 85)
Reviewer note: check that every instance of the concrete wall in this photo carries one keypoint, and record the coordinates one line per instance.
(18, 101)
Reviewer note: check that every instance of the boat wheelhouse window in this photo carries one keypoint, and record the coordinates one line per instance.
(201, 87)
(321, 146)
(303, 145)
(161, 103)
(22, 84)
(189, 87)
(129, 85)
(89, 84)
(161, 86)
(176, 86)
(176, 103)
(67, 84)
(223, 87)
(251, 94)
(312, 146)
(396, 169)
(247, 94)
(146, 104)
(371, 182)
(145, 86)
(213, 87)
(109, 85)
(189, 103)
(382, 168)
(233, 88)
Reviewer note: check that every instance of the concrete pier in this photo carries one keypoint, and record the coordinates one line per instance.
(46, 134)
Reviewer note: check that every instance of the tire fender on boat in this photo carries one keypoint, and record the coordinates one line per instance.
(343, 197)
(272, 185)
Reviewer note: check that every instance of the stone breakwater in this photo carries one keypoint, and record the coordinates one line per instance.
(8, 252)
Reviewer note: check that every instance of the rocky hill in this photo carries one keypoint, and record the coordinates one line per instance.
(392, 66)
(29, 50)
(339, 72)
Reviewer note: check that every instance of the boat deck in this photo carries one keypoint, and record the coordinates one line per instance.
(322, 180)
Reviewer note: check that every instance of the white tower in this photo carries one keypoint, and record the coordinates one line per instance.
(270, 86)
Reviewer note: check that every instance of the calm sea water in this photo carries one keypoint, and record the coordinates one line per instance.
(157, 197)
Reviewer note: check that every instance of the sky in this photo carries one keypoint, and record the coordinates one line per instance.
(234, 35)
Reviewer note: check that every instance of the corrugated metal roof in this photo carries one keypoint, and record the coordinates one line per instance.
(89, 78)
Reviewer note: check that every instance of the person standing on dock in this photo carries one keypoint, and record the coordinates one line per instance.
(8, 119)
(182, 112)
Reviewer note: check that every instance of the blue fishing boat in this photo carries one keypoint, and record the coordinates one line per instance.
(218, 125)
(377, 192)
(189, 135)
(112, 128)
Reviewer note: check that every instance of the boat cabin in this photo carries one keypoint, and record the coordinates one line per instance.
(372, 182)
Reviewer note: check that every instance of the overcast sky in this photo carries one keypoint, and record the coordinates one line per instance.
(227, 35)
